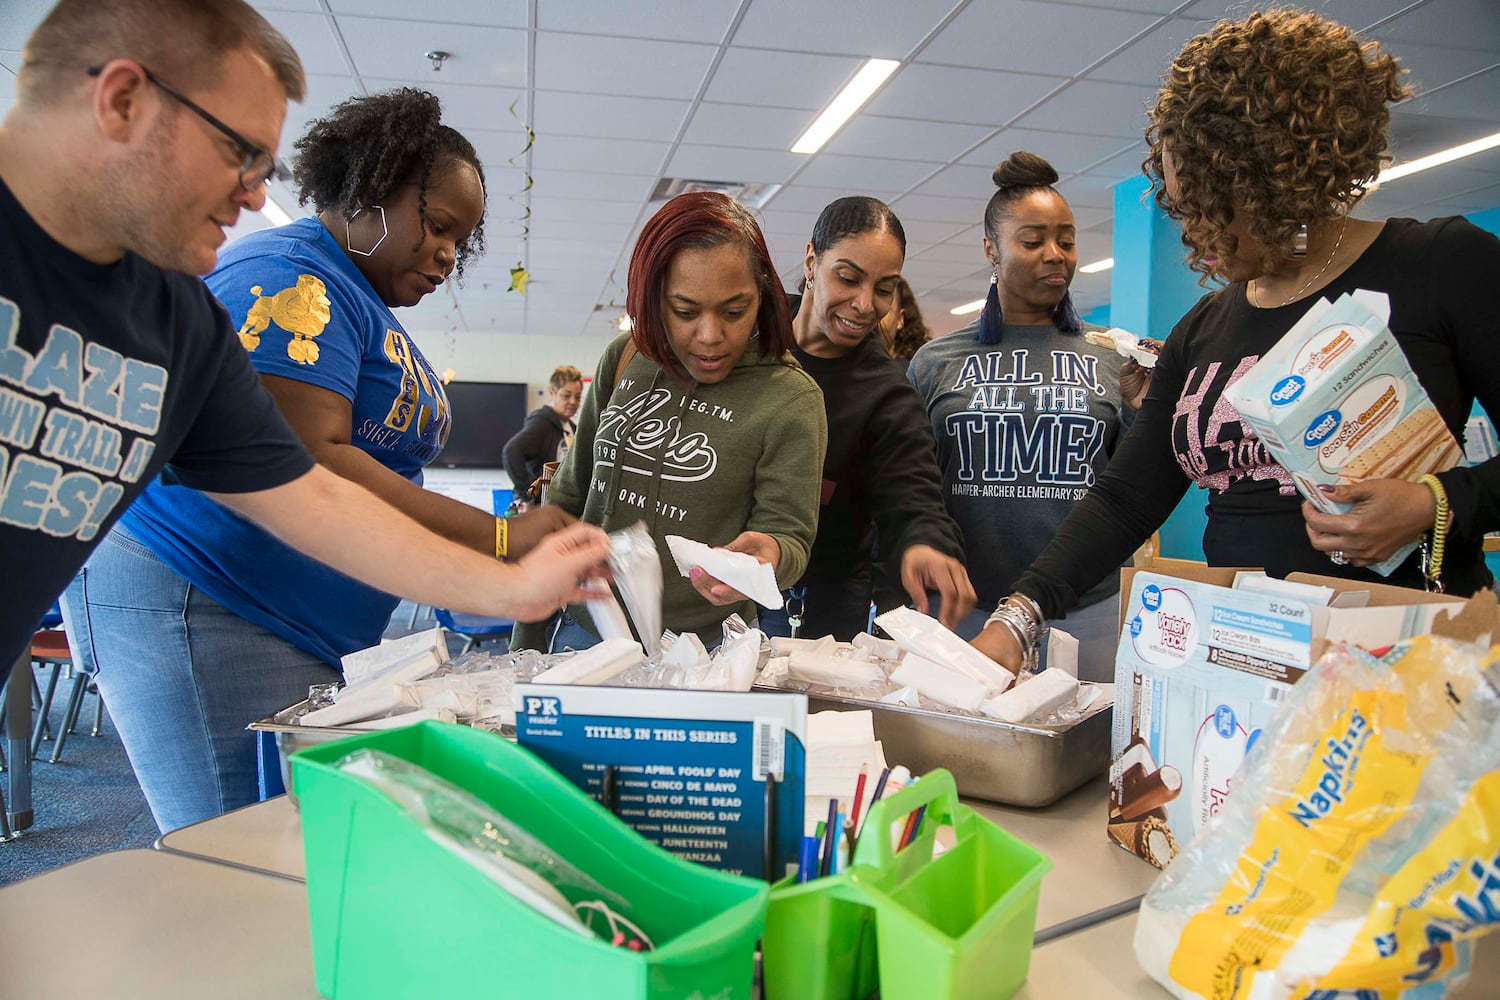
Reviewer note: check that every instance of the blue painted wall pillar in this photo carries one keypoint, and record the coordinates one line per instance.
(1150, 290)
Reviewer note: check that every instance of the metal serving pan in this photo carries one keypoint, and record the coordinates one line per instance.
(291, 737)
(1015, 765)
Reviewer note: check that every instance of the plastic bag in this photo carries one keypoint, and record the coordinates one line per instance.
(1360, 850)
(636, 567)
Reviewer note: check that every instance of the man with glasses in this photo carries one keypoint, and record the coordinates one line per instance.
(141, 130)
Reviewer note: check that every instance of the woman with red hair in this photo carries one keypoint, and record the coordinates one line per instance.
(700, 423)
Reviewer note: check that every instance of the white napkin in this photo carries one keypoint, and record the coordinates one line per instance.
(742, 571)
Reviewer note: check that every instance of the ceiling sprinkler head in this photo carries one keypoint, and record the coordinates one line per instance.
(438, 57)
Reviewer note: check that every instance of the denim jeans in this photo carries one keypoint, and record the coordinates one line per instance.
(182, 678)
(564, 633)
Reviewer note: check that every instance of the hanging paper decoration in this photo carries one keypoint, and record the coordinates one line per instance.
(518, 278)
(518, 274)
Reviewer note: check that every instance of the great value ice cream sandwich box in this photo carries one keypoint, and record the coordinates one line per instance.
(1335, 401)
(1202, 666)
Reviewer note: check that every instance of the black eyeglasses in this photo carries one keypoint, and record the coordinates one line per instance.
(257, 165)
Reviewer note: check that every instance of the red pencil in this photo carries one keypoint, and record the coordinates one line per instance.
(859, 794)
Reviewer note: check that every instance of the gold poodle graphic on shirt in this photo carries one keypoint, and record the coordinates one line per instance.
(301, 310)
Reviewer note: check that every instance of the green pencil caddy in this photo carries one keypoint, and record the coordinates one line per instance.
(910, 924)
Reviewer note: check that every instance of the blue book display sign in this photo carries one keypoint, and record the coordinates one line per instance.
(714, 777)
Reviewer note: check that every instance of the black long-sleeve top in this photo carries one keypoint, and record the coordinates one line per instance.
(1441, 277)
(534, 445)
(880, 475)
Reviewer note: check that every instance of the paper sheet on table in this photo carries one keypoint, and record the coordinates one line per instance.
(740, 570)
(838, 744)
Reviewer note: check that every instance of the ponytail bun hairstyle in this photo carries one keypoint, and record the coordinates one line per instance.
(1020, 175)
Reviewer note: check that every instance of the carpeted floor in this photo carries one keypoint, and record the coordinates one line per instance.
(85, 804)
(89, 802)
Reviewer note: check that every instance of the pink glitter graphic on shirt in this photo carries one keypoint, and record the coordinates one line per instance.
(1227, 451)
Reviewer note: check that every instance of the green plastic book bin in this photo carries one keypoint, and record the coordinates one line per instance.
(394, 914)
(913, 926)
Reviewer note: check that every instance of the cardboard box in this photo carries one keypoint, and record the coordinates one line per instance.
(1202, 667)
(1336, 401)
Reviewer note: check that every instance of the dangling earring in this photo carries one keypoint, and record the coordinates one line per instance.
(348, 242)
(1299, 242)
(990, 321)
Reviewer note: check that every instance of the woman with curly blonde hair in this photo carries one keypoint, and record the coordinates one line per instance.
(1265, 134)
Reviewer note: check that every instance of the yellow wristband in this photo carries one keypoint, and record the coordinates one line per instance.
(502, 537)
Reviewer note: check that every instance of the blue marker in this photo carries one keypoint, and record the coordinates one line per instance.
(807, 861)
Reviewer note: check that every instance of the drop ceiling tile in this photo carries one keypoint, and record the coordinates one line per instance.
(795, 225)
(323, 92)
(1089, 107)
(747, 126)
(1089, 191)
(607, 156)
(904, 138)
(1067, 152)
(592, 64)
(722, 163)
(961, 181)
(570, 210)
(920, 233)
(592, 186)
(1469, 24)
(1429, 67)
(464, 105)
(954, 252)
(1473, 97)
(849, 27)
(933, 208)
(500, 13)
(670, 20)
(864, 174)
(780, 79)
(396, 49)
(965, 96)
(1415, 134)
(1146, 59)
(601, 116)
(313, 37)
(986, 35)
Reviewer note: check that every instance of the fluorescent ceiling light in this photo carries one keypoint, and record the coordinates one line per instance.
(1097, 266)
(842, 108)
(966, 308)
(274, 213)
(1437, 159)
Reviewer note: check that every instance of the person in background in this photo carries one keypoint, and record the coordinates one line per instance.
(1266, 132)
(546, 436)
(880, 477)
(200, 620)
(903, 330)
(1026, 411)
(699, 422)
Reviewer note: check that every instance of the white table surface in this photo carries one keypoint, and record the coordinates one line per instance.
(1099, 962)
(265, 837)
(135, 924)
(1089, 873)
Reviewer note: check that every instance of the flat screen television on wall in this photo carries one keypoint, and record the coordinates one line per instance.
(485, 416)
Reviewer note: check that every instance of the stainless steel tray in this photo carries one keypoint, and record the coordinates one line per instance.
(291, 737)
(995, 761)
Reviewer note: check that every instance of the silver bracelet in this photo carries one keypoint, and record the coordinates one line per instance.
(1026, 631)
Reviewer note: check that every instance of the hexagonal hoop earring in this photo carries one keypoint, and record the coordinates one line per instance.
(383, 233)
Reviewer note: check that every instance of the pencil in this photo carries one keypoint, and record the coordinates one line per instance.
(859, 794)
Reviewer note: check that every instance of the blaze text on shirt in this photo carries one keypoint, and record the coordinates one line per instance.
(97, 396)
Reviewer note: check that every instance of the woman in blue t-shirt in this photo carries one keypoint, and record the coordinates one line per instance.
(200, 621)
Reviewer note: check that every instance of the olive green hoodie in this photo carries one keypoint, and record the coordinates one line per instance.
(702, 461)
